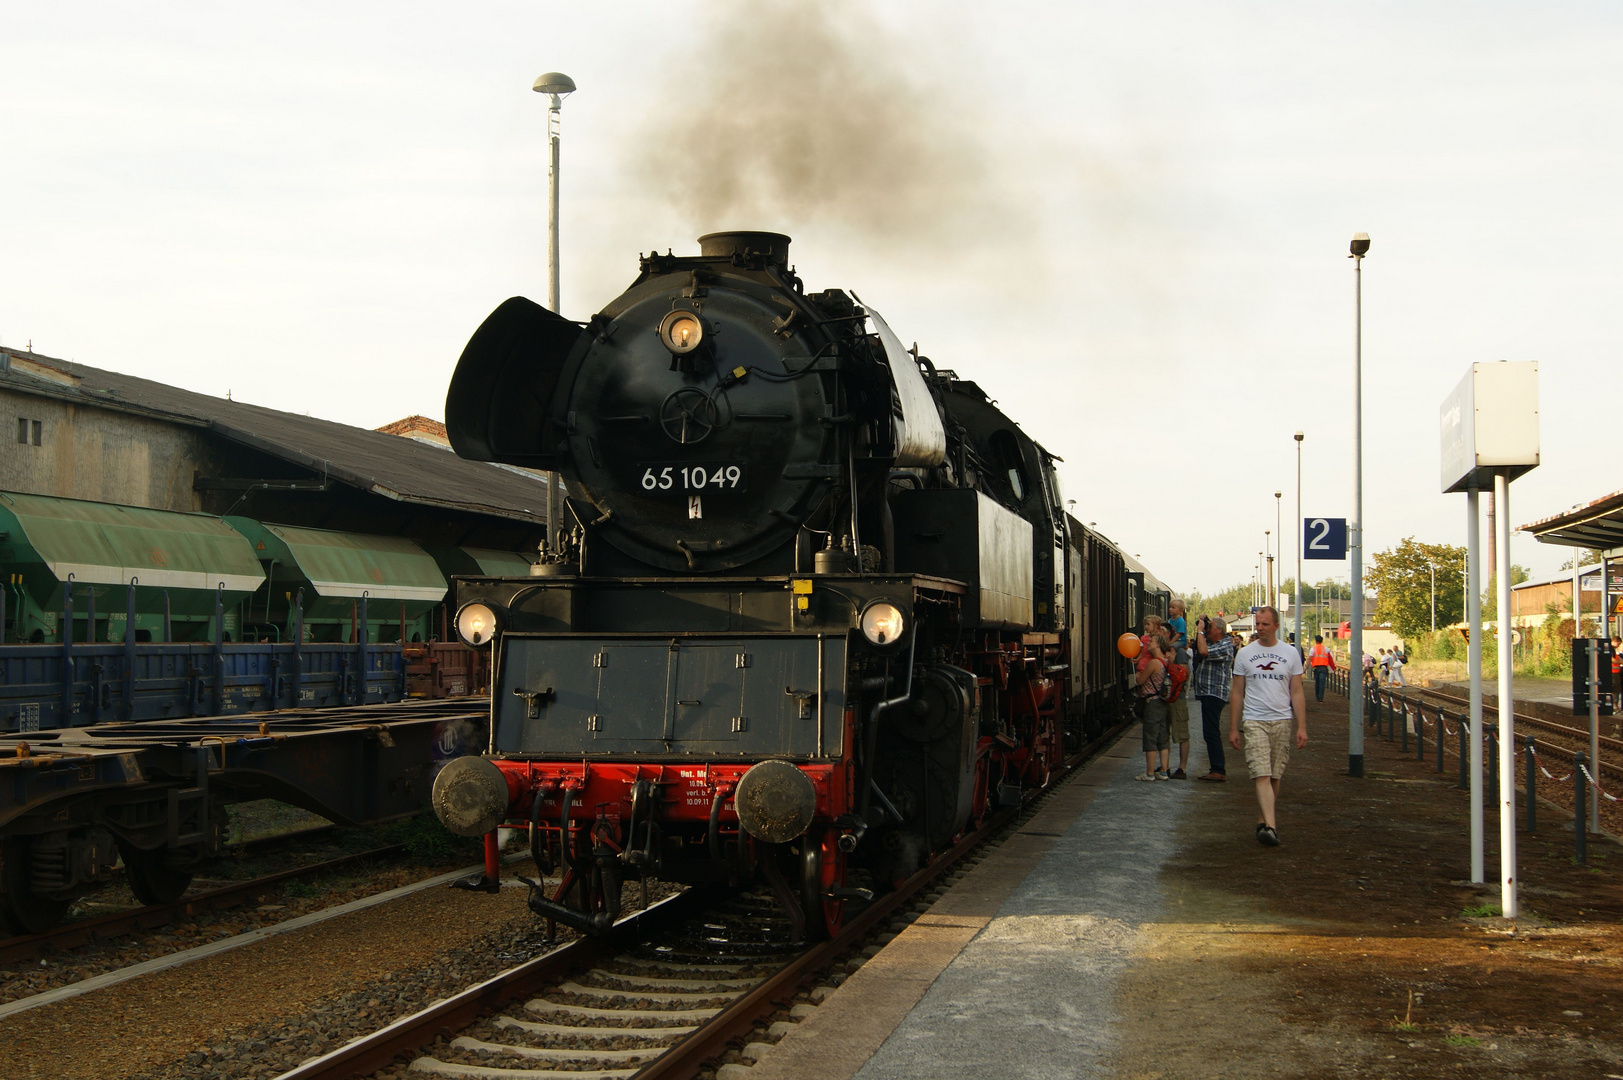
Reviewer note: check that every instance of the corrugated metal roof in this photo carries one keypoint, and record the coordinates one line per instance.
(1596, 524)
(404, 469)
(348, 565)
(105, 544)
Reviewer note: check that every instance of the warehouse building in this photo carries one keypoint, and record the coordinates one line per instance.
(86, 433)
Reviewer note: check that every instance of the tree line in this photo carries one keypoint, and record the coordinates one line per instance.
(1407, 581)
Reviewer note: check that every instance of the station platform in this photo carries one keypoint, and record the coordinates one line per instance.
(1134, 929)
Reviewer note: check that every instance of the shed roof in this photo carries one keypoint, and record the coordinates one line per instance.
(403, 469)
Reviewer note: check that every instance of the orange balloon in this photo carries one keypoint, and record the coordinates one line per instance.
(1129, 645)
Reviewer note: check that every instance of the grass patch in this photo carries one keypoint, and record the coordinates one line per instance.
(1481, 911)
(428, 841)
(303, 890)
(1462, 1040)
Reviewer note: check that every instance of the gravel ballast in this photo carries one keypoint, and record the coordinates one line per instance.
(264, 1008)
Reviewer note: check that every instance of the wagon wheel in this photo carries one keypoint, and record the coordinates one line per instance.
(151, 880)
(26, 911)
(822, 871)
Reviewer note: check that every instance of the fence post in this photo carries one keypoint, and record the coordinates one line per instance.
(1420, 733)
(1439, 739)
(1405, 723)
(1532, 785)
(1465, 732)
(1580, 820)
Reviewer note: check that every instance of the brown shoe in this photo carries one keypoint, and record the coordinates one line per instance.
(1215, 777)
(1180, 775)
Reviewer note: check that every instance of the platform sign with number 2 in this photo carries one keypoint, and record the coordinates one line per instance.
(1324, 538)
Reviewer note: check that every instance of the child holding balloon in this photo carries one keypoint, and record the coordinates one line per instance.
(1149, 679)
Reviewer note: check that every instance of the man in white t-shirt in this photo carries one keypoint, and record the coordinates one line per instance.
(1267, 695)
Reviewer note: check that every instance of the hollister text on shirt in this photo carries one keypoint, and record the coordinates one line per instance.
(1267, 670)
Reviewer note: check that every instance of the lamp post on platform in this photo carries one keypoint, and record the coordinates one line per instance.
(1279, 527)
(557, 86)
(1268, 570)
(1433, 569)
(1355, 528)
(1297, 600)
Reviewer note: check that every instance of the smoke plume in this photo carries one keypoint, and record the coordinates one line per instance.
(792, 112)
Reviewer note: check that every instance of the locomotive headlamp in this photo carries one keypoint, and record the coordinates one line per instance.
(476, 624)
(882, 622)
(681, 332)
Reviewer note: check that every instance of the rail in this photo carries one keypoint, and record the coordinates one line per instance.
(119, 923)
(687, 1057)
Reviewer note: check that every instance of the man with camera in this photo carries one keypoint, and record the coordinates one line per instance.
(1214, 662)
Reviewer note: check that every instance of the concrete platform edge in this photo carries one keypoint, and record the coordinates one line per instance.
(853, 1022)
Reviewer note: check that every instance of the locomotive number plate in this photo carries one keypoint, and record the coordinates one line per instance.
(690, 478)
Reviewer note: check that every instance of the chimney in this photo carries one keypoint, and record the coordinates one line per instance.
(771, 246)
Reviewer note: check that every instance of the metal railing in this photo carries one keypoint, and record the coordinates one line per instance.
(1395, 717)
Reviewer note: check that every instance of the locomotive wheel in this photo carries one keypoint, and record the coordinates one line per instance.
(823, 870)
(978, 801)
(151, 880)
(1040, 765)
(24, 910)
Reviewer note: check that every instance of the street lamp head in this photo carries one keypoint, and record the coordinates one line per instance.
(1277, 494)
(1298, 436)
(558, 84)
(1360, 245)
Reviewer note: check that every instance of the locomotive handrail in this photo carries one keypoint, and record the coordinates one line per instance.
(870, 744)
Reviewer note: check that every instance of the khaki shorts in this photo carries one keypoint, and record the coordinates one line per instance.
(1155, 725)
(1267, 747)
(1178, 713)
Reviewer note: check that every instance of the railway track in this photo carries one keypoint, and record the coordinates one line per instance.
(1581, 734)
(1561, 740)
(119, 923)
(666, 995)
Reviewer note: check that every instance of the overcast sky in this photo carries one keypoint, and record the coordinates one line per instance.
(1127, 221)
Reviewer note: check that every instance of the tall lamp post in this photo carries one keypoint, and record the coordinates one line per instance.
(1433, 570)
(557, 86)
(1355, 528)
(1298, 597)
(1268, 570)
(1279, 527)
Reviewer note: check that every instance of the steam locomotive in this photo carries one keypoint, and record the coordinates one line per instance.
(818, 608)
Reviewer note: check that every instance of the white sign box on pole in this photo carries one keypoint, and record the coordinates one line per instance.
(1489, 424)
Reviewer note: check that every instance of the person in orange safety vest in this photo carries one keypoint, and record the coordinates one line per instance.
(1322, 662)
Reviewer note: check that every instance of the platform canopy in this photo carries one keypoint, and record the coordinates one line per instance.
(1597, 524)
